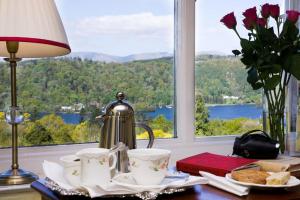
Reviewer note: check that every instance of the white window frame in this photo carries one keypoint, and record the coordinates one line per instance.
(184, 55)
(293, 95)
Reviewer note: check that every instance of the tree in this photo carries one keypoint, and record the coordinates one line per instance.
(161, 123)
(201, 116)
(36, 134)
(81, 132)
(59, 131)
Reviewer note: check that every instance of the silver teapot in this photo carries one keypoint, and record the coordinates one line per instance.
(119, 126)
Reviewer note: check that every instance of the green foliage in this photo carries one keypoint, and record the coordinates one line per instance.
(230, 127)
(217, 76)
(158, 133)
(45, 85)
(59, 131)
(5, 134)
(36, 134)
(201, 116)
(81, 132)
(162, 123)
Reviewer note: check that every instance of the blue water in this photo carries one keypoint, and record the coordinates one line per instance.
(168, 113)
(215, 112)
(235, 111)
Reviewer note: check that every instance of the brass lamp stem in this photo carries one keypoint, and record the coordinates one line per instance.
(14, 176)
(14, 126)
(12, 48)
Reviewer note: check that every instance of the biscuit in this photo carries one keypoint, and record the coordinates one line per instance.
(250, 176)
(280, 178)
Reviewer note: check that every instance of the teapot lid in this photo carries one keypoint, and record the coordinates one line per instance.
(119, 107)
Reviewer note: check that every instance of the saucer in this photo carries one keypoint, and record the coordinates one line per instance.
(127, 180)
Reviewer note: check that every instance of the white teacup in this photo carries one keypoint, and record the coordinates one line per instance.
(71, 164)
(95, 169)
(148, 166)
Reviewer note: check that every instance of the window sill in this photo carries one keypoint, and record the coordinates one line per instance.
(31, 158)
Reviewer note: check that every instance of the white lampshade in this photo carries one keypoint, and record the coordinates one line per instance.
(36, 25)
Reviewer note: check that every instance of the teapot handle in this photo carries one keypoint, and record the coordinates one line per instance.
(149, 130)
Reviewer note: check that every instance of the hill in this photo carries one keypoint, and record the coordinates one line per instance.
(118, 59)
(48, 84)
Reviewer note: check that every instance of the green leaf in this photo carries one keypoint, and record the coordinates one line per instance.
(246, 46)
(252, 76)
(264, 75)
(248, 59)
(236, 52)
(266, 36)
(271, 83)
(257, 85)
(292, 65)
(289, 31)
(272, 68)
(293, 32)
(284, 29)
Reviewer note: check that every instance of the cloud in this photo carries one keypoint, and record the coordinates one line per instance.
(141, 24)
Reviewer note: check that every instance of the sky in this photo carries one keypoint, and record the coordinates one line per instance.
(211, 34)
(118, 27)
(124, 27)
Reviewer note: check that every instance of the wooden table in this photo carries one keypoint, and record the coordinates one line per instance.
(198, 192)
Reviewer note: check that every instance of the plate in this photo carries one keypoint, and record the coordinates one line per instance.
(293, 181)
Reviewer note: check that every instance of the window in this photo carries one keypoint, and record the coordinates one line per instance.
(225, 103)
(116, 46)
(185, 143)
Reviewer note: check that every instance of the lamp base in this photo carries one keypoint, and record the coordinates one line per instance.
(17, 177)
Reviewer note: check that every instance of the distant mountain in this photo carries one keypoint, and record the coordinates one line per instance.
(119, 59)
(219, 53)
(94, 56)
(145, 56)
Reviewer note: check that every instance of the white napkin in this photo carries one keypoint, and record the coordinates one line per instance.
(54, 172)
(223, 184)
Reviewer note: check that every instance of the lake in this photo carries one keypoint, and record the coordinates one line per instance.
(215, 112)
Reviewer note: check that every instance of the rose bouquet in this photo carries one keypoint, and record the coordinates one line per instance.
(271, 55)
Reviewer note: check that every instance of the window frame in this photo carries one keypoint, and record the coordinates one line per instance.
(185, 143)
(184, 61)
(184, 73)
(292, 98)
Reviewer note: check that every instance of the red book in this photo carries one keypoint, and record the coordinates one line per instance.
(213, 163)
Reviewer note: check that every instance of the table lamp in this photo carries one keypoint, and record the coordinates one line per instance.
(29, 29)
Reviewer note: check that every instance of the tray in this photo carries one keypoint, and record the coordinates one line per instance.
(142, 195)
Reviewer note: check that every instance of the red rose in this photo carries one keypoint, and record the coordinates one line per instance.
(292, 15)
(229, 20)
(248, 23)
(250, 14)
(265, 10)
(274, 11)
(261, 22)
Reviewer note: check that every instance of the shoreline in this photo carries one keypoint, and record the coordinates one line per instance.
(229, 104)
